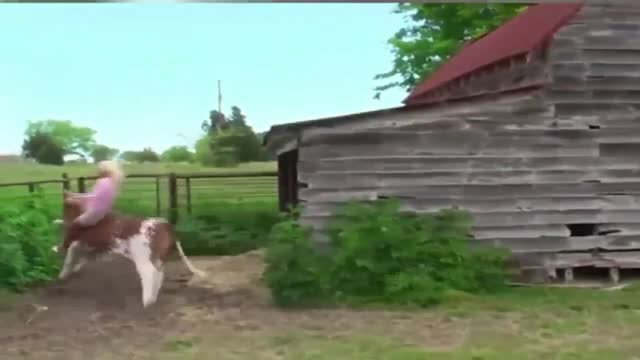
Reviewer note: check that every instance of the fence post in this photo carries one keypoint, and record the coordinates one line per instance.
(187, 183)
(81, 185)
(173, 199)
(32, 187)
(158, 206)
(65, 182)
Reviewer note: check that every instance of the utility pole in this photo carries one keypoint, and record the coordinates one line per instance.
(219, 96)
(218, 123)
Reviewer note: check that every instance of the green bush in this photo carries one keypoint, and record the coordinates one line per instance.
(26, 238)
(380, 254)
(227, 228)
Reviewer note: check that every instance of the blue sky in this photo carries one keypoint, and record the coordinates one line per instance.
(142, 74)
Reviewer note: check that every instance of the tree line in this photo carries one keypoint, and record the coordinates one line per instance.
(226, 140)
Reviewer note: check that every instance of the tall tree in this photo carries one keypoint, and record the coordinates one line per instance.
(74, 140)
(217, 121)
(230, 139)
(434, 32)
(237, 118)
(43, 149)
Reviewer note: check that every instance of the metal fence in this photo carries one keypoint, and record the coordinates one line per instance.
(160, 194)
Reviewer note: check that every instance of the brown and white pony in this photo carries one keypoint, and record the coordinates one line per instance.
(145, 241)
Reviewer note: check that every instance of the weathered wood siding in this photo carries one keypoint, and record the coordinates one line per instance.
(552, 173)
(594, 65)
(498, 157)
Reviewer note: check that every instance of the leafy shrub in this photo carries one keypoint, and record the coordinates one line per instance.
(380, 254)
(227, 228)
(26, 237)
(296, 272)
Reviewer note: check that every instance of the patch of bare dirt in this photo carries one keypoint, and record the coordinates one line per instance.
(99, 310)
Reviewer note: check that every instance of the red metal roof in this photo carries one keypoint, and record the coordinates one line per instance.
(525, 32)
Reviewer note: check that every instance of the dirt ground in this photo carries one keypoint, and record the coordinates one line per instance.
(97, 313)
(98, 310)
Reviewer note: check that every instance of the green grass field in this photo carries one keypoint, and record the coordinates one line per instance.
(145, 196)
(525, 324)
(11, 173)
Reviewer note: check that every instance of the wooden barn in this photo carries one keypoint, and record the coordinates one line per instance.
(534, 128)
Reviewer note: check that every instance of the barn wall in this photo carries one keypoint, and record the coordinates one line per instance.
(524, 180)
(530, 185)
(552, 173)
(594, 68)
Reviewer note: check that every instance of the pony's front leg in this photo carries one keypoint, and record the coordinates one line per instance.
(74, 259)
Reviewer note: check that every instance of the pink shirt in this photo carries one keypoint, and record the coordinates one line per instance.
(100, 200)
(103, 193)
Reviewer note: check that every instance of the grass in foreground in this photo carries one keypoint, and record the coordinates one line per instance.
(523, 324)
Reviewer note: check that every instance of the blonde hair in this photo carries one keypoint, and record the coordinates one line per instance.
(113, 169)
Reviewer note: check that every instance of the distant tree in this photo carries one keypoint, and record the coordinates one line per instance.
(72, 139)
(237, 118)
(203, 153)
(177, 154)
(231, 140)
(129, 155)
(103, 152)
(216, 123)
(146, 155)
(266, 154)
(43, 149)
(235, 145)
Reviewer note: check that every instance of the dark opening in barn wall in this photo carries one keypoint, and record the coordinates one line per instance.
(583, 229)
(288, 179)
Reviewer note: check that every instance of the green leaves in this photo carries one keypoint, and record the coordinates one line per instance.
(26, 237)
(177, 154)
(103, 152)
(227, 228)
(433, 33)
(71, 138)
(295, 271)
(229, 140)
(381, 254)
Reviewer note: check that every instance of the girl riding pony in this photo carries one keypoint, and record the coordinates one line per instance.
(97, 203)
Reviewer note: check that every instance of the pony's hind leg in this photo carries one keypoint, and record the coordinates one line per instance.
(141, 256)
(158, 279)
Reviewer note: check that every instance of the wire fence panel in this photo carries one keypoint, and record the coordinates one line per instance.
(152, 194)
